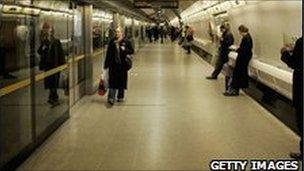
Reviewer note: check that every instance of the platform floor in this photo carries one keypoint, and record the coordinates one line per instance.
(172, 119)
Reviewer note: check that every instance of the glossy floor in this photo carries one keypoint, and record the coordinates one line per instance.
(172, 119)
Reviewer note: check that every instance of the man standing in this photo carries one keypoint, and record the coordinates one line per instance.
(294, 59)
(149, 33)
(162, 34)
(189, 38)
(226, 41)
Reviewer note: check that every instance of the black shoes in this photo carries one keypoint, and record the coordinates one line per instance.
(296, 156)
(211, 78)
(231, 93)
(111, 102)
(120, 100)
(53, 102)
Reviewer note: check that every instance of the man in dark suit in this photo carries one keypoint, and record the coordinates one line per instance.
(226, 41)
(294, 59)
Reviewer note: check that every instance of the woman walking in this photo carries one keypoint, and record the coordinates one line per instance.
(119, 49)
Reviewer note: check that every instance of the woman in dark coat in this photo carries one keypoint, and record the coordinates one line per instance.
(51, 56)
(119, 49)
(240, 78)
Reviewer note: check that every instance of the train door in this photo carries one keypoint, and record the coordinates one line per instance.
(78, 64)
(16, 119)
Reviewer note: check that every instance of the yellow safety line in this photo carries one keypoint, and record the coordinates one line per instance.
(11, 88)
(77, 58)
(43, 75)
(26, 82)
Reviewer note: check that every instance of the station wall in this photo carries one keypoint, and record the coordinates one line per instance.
(271, 24)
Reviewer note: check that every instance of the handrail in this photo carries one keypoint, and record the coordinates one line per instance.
(13, 87)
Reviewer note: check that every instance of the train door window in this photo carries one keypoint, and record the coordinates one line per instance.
(79, 44)
(51, 97)
(15, 91)
(14, 49)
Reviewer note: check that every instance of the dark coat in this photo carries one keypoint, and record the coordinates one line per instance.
(51, 56)
(295, 61)
(240, 78)
(116, 63)
(226, 42)
(189, 38)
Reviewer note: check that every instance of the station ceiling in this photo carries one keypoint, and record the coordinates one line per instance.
(158, 10)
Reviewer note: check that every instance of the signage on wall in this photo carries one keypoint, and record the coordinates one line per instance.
(156, 3)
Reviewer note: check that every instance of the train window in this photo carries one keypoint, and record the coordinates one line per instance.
(53, 46)
(14, 48)
(101, 28)
(97, 34)
(79, 44)
(78, 38)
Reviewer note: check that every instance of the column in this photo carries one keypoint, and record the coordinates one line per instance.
(88, 48)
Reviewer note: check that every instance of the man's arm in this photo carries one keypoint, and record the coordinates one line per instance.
(291, 59)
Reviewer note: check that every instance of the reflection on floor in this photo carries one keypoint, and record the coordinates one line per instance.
(172, 119)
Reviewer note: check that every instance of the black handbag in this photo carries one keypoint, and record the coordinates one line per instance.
(129, 63)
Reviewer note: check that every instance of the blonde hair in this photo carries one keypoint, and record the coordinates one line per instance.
(119, 28)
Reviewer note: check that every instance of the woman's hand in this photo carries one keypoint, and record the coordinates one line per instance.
(286, 48)
(123, 48)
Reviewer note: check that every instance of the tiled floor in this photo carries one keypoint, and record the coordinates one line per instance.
(172, 119)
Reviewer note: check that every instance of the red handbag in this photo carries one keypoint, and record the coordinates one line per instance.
(102, 89)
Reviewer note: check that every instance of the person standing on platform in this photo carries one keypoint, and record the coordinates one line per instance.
(189, 38)
(172, 33)
(162, 34)
(51, 56)
(226, 41)
(156, 33)
(119, 49)
(294, 59)
(149, 33)
(240, 78)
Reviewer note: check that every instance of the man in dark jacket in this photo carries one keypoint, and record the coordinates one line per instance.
(119, 49)
(172, 33)
(156, 33)
(240, 78)
(162, 34)
(189, 38)
(149, 33)
(51, 56)
(294, 59)
(226, 41)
